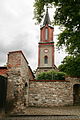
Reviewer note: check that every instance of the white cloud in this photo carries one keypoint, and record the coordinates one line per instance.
(18, 31)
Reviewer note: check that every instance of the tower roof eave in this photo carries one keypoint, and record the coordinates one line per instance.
(44, 26)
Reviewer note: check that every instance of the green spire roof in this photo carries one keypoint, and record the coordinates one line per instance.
(46, 19)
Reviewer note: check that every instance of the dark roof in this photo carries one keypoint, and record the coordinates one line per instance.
(31, 71)
(3, 67)
(46, 19)
(54, 67)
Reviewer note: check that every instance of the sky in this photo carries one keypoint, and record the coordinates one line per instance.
(19, 32)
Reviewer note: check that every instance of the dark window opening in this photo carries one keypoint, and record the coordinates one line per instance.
(76, 94)
(46, 59)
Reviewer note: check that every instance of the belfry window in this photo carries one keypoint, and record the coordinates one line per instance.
(46, 60)
(46, 34)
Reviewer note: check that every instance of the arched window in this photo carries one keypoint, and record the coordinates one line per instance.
(46, 60)
(46, 34)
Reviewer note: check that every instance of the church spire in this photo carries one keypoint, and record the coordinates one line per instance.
(46, 19)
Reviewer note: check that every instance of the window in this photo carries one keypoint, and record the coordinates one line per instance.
(45, 60)
(46, 34)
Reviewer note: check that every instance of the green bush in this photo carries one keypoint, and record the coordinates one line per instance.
(51, 75)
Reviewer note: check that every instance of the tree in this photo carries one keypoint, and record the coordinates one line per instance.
(71, 66)
(67, 15)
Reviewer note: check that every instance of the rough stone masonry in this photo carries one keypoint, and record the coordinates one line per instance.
(25, 91)
(49, 94)
(19, 74)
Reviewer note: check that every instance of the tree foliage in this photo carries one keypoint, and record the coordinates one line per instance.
(71, 66)
(67, 15)
(51, 75)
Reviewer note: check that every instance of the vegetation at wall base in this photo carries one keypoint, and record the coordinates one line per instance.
(51, 75)
(10, 105)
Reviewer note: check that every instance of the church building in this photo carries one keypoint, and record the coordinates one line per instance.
(46, 46)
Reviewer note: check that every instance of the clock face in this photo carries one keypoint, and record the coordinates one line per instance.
(46, 50)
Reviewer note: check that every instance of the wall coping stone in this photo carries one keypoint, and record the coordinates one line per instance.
(49, 80)
(72, 77)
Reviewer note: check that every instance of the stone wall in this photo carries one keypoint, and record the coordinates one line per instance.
(75, 82)
(49, 94)
(24, 91)
(18, 74)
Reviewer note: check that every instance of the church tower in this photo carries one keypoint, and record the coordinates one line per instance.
(46, 46)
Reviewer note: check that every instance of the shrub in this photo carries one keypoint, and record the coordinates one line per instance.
(51, 75)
